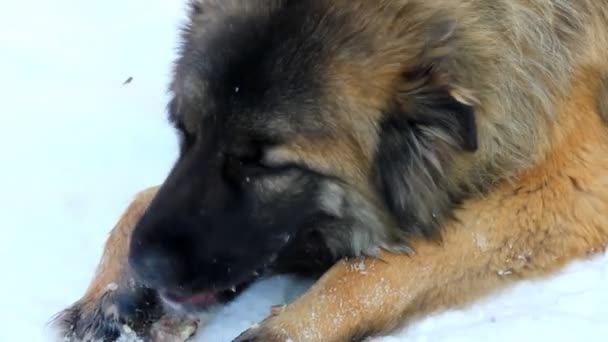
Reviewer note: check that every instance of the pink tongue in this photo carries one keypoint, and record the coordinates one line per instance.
(202, 298)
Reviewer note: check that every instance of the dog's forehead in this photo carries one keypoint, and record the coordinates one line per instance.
(277, 71)
(250, 70)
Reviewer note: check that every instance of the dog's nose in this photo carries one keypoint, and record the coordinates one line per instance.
(156, 267)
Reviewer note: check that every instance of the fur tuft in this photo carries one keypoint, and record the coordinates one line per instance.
(603, 99)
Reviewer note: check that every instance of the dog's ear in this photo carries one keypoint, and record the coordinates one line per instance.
(426, 99)
(430, 120)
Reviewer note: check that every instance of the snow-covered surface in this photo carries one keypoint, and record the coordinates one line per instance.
(76, 145)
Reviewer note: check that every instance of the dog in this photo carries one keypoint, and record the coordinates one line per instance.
(412, 155)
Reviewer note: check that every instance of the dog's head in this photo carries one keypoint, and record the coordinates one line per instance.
(338, 119)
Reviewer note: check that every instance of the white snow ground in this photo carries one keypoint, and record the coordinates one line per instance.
(76, 145)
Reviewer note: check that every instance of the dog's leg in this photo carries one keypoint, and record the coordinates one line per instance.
(356, 299)
(525, 229)
(114, 302)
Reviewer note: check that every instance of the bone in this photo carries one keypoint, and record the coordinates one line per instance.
(172, 329)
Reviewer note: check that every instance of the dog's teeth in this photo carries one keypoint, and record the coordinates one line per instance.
(233, 289)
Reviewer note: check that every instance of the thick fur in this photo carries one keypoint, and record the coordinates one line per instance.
(603, 99)
(547, 216)
(321, 130)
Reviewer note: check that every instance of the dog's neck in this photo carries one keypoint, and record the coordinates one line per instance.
(575, 172)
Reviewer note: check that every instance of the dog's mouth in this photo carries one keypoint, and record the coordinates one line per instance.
(199, 298)
(203, 300)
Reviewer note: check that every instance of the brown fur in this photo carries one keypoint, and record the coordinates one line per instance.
(114, 258)
(546, 217)
(533, 196)
(603, 100)
(500, 58)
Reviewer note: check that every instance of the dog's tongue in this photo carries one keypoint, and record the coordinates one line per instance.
(202, 298)
(199, 299)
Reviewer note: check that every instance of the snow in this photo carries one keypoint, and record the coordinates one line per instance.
(77, 144)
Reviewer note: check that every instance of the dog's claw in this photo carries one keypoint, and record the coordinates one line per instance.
(275, 310)
(262, 332)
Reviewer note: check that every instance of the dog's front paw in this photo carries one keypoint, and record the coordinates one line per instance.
(113, 313)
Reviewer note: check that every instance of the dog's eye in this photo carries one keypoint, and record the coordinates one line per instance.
(250, 158)
(241, 162)
(240, 171)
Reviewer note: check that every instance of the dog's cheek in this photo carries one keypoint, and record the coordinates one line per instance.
(359, 226)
